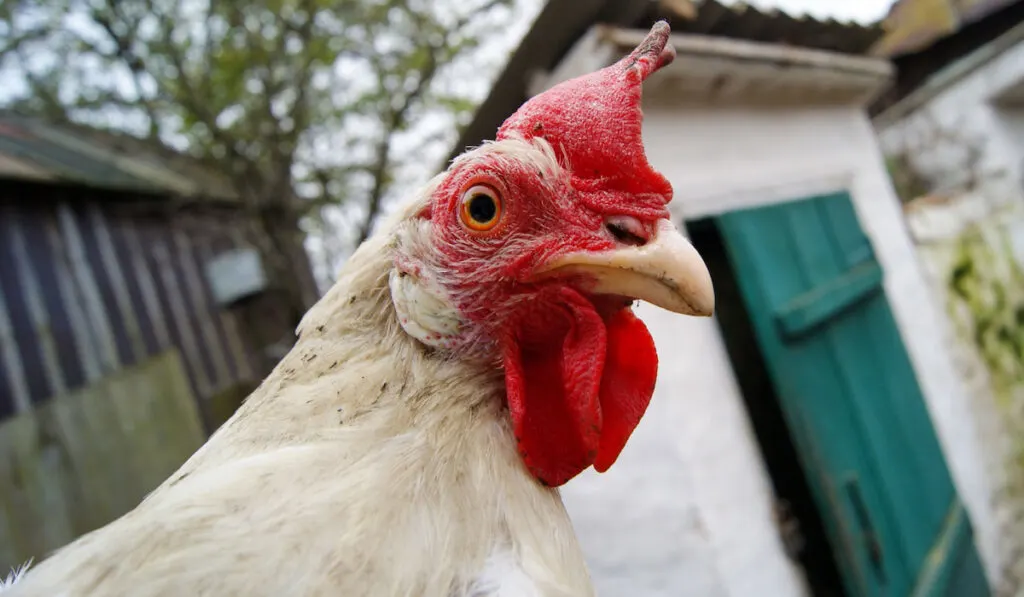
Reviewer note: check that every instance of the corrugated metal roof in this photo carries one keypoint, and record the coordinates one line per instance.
(913, 25)
(749, 23)
(931, 54)
(32, 149)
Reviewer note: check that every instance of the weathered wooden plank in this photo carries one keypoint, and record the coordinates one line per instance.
(35, 497)
(230, 325)
(11, 358)
(820, 304)
(189, 432)
(141, 400)
(86, 279)
(176, 404)
(117, 281)
(203, 309)
(147, 286)
(133, 402)
(10, 500)
(37, 311)
(179, 313)
(86, 460)
(87, 457)
(72, 301)
(8, 553)
(112, 436)
(47, 462)
(132, 454)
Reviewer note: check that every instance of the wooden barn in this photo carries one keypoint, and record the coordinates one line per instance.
(126, 276)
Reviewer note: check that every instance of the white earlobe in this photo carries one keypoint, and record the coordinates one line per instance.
(423, 312)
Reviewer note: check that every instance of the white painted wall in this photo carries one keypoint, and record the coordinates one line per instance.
(970, 112)
(938, 227)
(687, 510)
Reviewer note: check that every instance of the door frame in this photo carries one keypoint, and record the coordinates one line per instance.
(911, 301)
(861, 279)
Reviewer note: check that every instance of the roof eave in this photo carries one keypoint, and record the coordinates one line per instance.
(723, 70)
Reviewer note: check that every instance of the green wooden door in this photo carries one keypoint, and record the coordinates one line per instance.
(814, 290)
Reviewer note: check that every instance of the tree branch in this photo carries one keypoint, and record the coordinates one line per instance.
(242, 170)
(124, 50)
(300, 109)
(43, 92)
(436, 56)
(15, 45)
(382, 161)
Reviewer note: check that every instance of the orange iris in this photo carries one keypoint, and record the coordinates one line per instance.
(481, 208)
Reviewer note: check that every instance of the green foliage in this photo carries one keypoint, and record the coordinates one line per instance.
(905, 180)
(986, 287)
(301, 101)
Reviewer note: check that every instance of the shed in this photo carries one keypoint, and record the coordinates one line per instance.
(953, 135)
(125, 270)
(810, 438)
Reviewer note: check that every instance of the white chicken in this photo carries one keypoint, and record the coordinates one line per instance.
(475, 354)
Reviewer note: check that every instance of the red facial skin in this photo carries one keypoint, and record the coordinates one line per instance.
(579, 369)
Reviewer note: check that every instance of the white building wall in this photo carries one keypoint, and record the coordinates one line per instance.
(688, 510)
(966, 115)
(991, 238)
(966, 139)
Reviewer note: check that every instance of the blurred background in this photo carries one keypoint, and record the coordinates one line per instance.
(180, 180)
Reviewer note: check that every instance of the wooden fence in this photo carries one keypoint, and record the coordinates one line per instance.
(83, 459)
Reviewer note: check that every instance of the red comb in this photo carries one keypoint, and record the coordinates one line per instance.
(593, 122)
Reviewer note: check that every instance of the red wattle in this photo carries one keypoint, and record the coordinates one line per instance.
(630, 372)
(577, 385)
(553, 367)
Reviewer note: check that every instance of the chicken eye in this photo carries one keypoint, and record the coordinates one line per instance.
(481, 208)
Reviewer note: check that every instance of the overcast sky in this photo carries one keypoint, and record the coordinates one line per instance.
(861, 11)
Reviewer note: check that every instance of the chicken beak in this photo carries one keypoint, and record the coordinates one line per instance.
(666, 271)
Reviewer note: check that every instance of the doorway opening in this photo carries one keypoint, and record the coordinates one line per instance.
(800, 523)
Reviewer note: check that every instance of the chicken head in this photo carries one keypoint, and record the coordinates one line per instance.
(529, 252)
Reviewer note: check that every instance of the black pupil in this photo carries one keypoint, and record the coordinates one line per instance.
(482, 208)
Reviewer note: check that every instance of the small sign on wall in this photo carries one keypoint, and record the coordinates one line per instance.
(235, 274)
